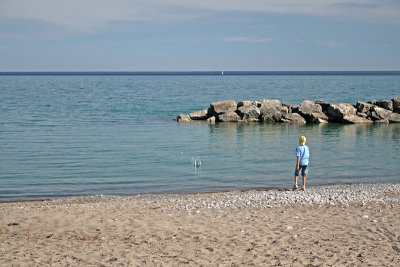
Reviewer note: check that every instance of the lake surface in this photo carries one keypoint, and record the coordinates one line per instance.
(66, 135)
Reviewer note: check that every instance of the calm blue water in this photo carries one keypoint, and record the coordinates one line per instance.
(64, 135)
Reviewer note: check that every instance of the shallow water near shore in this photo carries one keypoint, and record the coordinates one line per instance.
(84, 135)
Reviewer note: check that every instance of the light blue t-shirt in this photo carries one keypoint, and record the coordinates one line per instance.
(304, 153)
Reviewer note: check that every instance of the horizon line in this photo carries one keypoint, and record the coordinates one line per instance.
(201, 72)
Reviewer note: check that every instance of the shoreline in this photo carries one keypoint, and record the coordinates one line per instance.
(216, 192)
(46, 198)
(352, 224)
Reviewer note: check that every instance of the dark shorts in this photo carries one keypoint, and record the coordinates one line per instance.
(303, 169)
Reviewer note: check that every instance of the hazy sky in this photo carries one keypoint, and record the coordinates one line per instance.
(151, 35)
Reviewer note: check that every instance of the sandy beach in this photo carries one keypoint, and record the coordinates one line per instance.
(338, 225)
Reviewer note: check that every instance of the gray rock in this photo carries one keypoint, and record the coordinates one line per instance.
(198, 115)
(220, 107)
(285, 110)
(364, 115)
(274, 114)
(271, 115)
(288, 106)
(354, 119)
(323, 104)
(386, 104)
(314, 117)
(229, 116)
(249, 113)
(377, 113)
(336, 112)
(268, 104)
(246, 103)
(183, 118)
(396, 104)
(293, 118)
(271, 110)
(363, 107)
(308, 107)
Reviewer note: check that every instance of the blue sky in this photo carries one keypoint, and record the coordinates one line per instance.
(151, 35)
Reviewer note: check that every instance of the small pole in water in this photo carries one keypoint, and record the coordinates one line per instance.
(196, 161)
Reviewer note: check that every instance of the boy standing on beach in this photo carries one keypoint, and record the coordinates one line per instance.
(303, 155)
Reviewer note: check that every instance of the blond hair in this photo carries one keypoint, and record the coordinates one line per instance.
(302, 140)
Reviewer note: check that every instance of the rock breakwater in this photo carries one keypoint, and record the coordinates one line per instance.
(273, 110)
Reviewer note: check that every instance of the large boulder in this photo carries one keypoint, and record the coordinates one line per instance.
(268, 104)
(386, 104)
(271, 115)
(377, 113)
(249, 113)
(363, 107)
(229, 116)
(270, 110)
(336, 112)
(199, 115)
(183, 118)
(220, 107)
(293, 118)
(396, 104)
(311, 111)
(354, 119)
(323, 104)
(308, 107)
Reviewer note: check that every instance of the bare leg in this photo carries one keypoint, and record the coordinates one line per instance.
(304, 181)
(295, 182)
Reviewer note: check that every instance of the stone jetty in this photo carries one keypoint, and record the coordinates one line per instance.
(273, 110)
